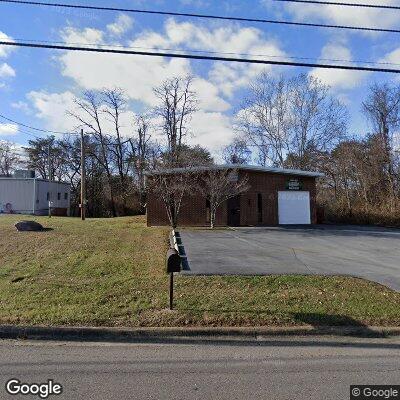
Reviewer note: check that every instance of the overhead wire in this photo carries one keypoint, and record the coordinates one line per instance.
(196, 57)
(42, 130)
(35, 129)
(202, 16)
(101, 45)
(332, 3)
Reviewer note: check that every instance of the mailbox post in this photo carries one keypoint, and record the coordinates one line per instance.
(174, 264)
(171, 291)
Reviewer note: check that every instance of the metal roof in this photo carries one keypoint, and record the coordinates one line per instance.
(4, 178)
(295, 172)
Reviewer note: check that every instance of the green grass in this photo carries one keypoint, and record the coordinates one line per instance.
(111, 272)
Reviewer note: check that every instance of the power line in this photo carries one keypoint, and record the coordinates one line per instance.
(381, 6)
(29, 134)
(207, 52)
(198, 57)
(202, 16)
(43, 130)
(35, 129)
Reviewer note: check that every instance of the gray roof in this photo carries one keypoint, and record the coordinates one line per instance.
(5, 178)
(295, 172)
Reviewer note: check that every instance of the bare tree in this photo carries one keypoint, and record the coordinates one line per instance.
(142, 153)
(70, 169)
(382, 108)
(265, 119)
(115, 105)
(318, 121)
(218, 186)
(290, 120)
(90, 108)
(237, 152)
(172, 187)
(9, 159)
(177, 103)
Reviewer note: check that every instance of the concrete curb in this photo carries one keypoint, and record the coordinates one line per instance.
(94, 334)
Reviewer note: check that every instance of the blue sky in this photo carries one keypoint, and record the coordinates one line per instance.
(38, 86)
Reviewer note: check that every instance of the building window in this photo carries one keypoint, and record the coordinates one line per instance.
(58, 196)
(260, 208)
(208, 211)
(65, 196)
(48, 196)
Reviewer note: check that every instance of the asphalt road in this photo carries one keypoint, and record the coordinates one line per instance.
(275, 368)
(369, 253)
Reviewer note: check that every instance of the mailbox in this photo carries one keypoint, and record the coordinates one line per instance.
(174, 261)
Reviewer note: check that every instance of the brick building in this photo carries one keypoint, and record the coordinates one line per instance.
(276, 197)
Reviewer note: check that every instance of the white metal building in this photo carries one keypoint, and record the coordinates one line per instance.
(34, 196)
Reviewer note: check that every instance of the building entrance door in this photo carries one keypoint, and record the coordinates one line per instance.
(234, 211)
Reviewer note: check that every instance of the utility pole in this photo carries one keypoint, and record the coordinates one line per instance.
(83, 178)
(49, 172)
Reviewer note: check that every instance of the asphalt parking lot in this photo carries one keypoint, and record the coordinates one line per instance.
(366, 252)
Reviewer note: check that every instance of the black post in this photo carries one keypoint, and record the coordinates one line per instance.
(171, 291)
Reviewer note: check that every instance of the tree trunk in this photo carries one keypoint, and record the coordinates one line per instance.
(172, 215)
(112, 200)
(212, 218)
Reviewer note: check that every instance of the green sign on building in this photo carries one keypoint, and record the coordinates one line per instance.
(294, 184)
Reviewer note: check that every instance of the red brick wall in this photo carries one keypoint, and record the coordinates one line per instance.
(193, 211)
(269, 184)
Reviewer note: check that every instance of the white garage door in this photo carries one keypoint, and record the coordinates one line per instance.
(294, 208)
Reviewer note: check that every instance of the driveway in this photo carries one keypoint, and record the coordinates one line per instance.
(369, 253)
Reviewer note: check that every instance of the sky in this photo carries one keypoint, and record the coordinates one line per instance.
(37, 86)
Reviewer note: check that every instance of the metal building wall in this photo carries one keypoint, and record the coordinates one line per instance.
(29, 196)
(17, 195)
(53, 188)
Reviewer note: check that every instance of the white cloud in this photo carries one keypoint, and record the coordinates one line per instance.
(208, 96)
(5, 50)
(343, 15)
(211, 129)
(21, 105)
(138, 75)
(6, 71)
(52, 108)
(8, 129)
(85, 36)
(392, 57)
(228, 39)
(122, 24)
(338, 78)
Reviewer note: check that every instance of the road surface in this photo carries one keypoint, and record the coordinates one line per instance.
(272, 368)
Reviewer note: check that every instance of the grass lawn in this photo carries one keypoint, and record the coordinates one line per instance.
(111, 272)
